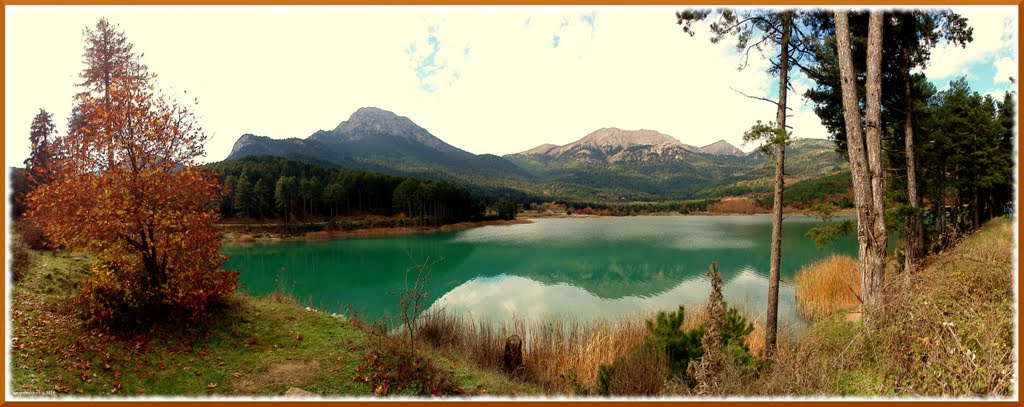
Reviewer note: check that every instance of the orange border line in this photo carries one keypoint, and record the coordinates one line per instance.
(492, 3)
(3, 222)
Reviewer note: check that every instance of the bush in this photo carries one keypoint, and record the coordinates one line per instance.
(680, 346)
(669, 349)
(736, 329)
(118, 296)
(734, 336)
(395, 372)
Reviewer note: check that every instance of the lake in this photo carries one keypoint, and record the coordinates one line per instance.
(562, 268)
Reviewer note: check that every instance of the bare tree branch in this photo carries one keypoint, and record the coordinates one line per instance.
(759, 98)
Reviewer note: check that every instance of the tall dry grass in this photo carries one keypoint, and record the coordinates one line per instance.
(563, 356)
(828, 286)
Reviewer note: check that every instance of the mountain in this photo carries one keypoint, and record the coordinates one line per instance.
(612, 163)
(722, 147)
(377, 140)
(607, 164)
(610, 145)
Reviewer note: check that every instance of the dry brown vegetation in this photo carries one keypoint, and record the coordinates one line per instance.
(828, 286)
(945, 331)
(739, 205)
(564, 356)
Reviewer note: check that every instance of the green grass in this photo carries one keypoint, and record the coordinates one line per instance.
(250, 346)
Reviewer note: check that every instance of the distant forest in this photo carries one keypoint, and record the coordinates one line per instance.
(274, 187)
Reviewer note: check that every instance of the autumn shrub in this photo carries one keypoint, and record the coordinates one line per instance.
(565, 355)
(126, 186)
(827, 286)
(391, 370)
(31, 235)
(116, 297)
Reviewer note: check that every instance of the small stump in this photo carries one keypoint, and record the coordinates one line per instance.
(512, 361)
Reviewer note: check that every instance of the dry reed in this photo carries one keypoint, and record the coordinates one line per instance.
(828, 286)
(561, 355)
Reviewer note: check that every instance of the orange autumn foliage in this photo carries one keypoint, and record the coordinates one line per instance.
(126, 186)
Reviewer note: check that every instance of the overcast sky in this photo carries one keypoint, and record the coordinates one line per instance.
(488, 80)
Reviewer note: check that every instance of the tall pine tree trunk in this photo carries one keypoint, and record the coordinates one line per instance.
(771, 328)
(915, 232)
(865, 151)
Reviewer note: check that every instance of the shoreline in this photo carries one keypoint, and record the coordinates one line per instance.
(245, 238)
(242, 237)
(786, 213)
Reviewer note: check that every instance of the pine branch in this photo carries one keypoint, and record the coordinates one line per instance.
(759, 98)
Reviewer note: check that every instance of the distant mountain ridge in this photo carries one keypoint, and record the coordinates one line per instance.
(608, 163)
(607, 144)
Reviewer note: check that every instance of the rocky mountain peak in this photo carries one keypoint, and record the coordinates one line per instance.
(612, 137)
(372, 118)
(722, 147)
(244, 141)
(368, 123)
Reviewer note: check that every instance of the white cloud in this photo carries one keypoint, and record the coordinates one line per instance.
(1005, 68)
(506, 297)
(994, 35)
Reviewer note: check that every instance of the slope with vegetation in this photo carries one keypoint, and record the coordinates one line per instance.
(944, 331)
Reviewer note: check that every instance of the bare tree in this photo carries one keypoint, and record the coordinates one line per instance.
(412, 298)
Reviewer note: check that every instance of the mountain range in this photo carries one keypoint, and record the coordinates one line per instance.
(607, 164)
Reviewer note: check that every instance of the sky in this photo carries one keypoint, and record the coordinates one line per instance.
(491, 79)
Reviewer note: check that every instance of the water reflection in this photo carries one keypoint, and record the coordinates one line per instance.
(505, 297)
(583, 268)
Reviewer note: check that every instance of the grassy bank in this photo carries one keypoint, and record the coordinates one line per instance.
(249, 347)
